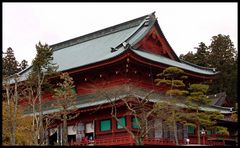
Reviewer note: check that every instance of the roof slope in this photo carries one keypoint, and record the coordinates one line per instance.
(97, 46)
(95, 99)
(171, 62)
(218, 99)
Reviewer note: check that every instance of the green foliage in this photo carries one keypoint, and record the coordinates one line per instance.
(222, 51)
(200, 57)
(44, 55)
(222, 55)
(65, 94)
(162, 81)
(199, 88)
(66, 99)
(23, 64)
(188, 57)
(220, 130)
(176, 92)
(174, 83)
(172, 76)
(197, 98)
(168, 110)
(171, 73)
(42, 68)
(10, 64)
(178, 83)
(43, 59)
(190, 124)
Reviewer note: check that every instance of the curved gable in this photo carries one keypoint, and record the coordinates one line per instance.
(155, 42)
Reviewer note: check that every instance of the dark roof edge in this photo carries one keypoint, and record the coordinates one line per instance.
(200, 67)
(159, 27)
(165, 63)
(21, 72)
(221, 107)
(99, 33)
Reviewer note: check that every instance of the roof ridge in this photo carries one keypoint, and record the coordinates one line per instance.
(99, 33)
(145, 22)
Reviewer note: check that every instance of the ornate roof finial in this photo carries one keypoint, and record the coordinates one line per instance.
(113, 49)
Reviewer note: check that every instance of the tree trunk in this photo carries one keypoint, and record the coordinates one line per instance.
(46, 131)
(34, 125)
(9, 118)
(139, 141)
(65, 130)
(175, 128)
(41, 130)
(15, 112)
(198, 130)
(198, 134)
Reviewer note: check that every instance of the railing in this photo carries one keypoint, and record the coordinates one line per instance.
(220, 136)
(193, 140)
(158, 141)
(215, 143)
(122, 140)
(128, 140)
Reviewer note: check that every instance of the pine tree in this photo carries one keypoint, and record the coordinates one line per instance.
(66, 99)
(190, 57)
(201, 56)
(196, 117)
(23, 64)
(173, 78)
(42, 67)
(10, 64)
(223, 57)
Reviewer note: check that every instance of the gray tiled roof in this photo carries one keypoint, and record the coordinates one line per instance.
(218, 99)
(90, 51)
(170, 62)
(96, 47)
(119, 92)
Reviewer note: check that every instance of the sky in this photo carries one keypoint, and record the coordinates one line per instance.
(184, 25)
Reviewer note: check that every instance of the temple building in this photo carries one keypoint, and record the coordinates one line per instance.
(130, 55)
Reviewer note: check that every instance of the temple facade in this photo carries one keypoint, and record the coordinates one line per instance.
(127, 55)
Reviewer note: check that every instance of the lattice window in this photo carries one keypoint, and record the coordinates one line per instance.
(105, 125)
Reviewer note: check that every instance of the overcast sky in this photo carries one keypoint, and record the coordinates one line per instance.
(183, 24)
